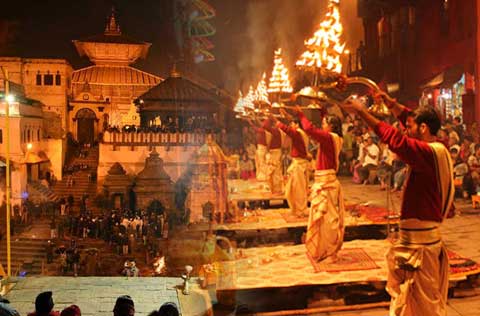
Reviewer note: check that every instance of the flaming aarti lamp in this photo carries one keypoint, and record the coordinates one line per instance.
(322, 58)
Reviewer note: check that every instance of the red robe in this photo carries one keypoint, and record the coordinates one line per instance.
(421, 199)
(276, 141)
(260, 135)
(326, 158)
(298, 145)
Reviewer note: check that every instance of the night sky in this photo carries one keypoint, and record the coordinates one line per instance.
(247, 32)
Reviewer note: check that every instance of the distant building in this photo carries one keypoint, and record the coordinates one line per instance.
(424, 51)
(32, 155)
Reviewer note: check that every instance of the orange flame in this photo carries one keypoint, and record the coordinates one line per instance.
(261, 94)
(325, 48)
(279, 81)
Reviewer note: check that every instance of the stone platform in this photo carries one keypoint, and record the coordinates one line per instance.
(95, 295)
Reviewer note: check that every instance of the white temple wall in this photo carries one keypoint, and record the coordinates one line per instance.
(55, 151)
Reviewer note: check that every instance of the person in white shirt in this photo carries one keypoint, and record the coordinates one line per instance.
(370, 160)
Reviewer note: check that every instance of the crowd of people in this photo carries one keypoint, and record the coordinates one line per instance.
(369, 161)
(127, 232)
(44, 306)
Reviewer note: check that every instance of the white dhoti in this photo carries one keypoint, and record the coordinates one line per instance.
(274, 170)
(418, 271)
(296, 188)
(261, 162)
(325, 223)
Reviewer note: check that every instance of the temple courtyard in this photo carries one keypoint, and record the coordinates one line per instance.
(96, 295)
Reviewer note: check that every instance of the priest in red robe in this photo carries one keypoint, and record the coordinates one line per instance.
(296, 188)
(274, 158)
(261, 152)
(326, 219)
(417, 261)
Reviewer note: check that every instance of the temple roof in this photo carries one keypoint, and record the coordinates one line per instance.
(116, 75)
(112, 46)
(153, 169)
(116, 169)
(177, 89)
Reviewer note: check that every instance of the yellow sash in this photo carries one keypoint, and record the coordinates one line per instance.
(444, 169)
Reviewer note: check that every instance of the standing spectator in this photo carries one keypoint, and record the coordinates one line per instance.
(75, 261)
(44, 305)
(53, 229)
(49, 251)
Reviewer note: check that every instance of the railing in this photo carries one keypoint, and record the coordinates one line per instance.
(154, 139)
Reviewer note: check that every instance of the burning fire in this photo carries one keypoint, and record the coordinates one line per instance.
(159, 265)
(325, 48)
(253, 99)
(279, 81)
(261, 94)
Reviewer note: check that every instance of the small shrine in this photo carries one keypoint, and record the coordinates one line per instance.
(209, 183)
(117, 186)
(153, 184)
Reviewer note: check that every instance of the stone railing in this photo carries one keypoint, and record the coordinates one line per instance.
(152, 138)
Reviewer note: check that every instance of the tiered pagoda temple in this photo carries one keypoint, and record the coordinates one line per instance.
(103, 93)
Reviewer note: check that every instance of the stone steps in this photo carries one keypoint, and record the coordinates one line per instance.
(82, 184)
(26, 253)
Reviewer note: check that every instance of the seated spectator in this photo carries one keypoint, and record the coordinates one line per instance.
(371, 154)
(466, 149)
(72, 310)
(471, 179)
(399, 172)
(44, 305)
(247, 168)
(169, 309)
(6, 309)
(124, 306)
(385, 166)
(442, 136)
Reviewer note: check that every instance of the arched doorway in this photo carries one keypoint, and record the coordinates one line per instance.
(85, 126)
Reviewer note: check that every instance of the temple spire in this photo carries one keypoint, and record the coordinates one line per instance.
(112, 28)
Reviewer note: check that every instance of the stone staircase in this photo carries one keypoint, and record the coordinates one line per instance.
(41, 193)
(27, 249)
(82, 184)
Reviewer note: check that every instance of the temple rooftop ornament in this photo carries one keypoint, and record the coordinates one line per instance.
(112, 46)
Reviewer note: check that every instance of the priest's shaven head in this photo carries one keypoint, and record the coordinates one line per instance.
(429, 116)
(335, 124)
